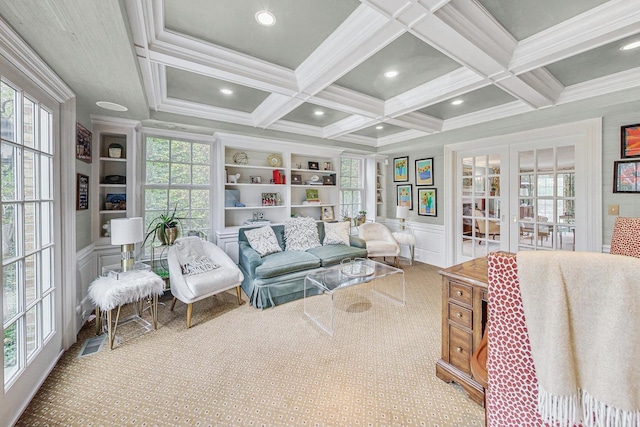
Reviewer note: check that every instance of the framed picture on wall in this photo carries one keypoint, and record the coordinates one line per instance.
(626, 176)
(404, 196)
(83, 143)
(401, 169)
(327, 213)
(82, 192)
(427, 201)
(630, 140)
(424, 171)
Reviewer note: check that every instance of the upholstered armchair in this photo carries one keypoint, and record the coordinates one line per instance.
(380, 241)
(486, 228)
(199, 269)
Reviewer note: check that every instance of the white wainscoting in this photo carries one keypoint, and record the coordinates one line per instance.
(86, 272)
(430, 241)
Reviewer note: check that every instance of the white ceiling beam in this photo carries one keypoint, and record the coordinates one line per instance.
(400, 137)
(604, 85)
(274, 108)
(495, 113)
(604, 24)
(348, 125)
(202, 111)
(418, 121)
(342, 99)
(297, 128)
(455, 83)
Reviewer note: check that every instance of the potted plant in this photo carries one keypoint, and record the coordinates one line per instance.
(164, 227)
(361, 218)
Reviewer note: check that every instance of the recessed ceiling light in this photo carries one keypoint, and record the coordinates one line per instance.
(391, 74)
(457, 102)
(630, 46)
(226, 91)
(265, 18)
(319, 113)
(379, 127)
(111, 106)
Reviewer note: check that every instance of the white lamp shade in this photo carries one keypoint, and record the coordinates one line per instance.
(125, 231)
(402, 212)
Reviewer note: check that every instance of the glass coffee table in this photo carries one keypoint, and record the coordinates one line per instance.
(321, 287)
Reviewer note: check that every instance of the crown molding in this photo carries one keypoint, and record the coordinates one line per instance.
(29, 63)
(418, 121)
(400, 137)
(602, 86)
(340, 98)
(347, 125)
(489, 114)
(273, 108)
(186, 108)
(358, 139)
(297, 128)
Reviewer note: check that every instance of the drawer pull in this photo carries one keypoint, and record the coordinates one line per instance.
(459, 293)
(459, 315)
(459, 349)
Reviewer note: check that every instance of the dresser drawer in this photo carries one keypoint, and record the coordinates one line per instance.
(460, 349)
(460, 315)
(460, 292)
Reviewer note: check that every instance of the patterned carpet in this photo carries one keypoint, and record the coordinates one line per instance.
(241, 366)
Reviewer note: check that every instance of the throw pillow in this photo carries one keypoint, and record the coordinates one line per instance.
(200, 265)
(336, 233)
(263, 240)
(301, 234)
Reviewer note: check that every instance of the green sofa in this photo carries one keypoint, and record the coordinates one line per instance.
(279, 277)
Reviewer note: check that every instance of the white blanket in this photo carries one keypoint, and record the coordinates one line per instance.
(583, 316)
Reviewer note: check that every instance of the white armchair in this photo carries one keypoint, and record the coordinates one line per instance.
(380, 241)
(190, 288)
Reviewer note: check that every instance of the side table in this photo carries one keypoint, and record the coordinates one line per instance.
(408, 239)
(134, 286)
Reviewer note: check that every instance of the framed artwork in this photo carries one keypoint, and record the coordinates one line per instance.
(312, 194)
(404, 196)
(82, 192)
(313, 166)
(427, 201)
(327, 213)
(630, 141)
(83, 143)
(329, 180)
(401, 169)
(327, 166)
(115, 202)
(296, 179)
(424, 171)
(626, 176)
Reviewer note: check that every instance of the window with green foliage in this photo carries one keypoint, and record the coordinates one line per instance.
(351, 186)
(178, 176)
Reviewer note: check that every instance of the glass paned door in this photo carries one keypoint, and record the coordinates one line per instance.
(546, 198)
(480, 230)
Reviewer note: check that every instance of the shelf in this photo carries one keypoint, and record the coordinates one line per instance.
(113, 185)
(248, 184)
(312, 186)
(313, 171)
(233, 165)
(113, 159)
(239, 208)
(314, 206)
(113, 211)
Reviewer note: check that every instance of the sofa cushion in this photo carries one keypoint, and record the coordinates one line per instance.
(300, 234)
(336, 233)
(263, 240)
(211, 281)
(286, 262)
(333, 254)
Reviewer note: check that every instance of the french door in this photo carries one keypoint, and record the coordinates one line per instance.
(31, 296)
(540, 194)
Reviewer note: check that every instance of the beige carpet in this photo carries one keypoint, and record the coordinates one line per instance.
(243, 366)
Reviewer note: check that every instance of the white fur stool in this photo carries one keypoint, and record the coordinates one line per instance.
(406, 238)
(108, 293)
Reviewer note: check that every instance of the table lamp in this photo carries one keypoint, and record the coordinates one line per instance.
(402, 212)
(126, 232)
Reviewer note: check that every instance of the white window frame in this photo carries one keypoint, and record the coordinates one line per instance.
(344, 212)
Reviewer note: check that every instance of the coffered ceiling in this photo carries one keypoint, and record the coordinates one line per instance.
(319, 70)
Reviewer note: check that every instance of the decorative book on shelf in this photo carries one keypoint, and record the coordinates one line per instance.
(312, 195)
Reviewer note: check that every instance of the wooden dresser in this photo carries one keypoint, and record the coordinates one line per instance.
(464, 314)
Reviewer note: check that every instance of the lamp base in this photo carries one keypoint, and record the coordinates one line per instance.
(126, 257)
(403, 225)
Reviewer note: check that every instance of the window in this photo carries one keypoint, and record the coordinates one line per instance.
(178, 176)
(27, 228)
(351, 186)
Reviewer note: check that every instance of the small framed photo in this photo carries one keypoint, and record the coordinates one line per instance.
(626, 176)
(424, 171)
(630, 141)
(296, 179)
(326, 166)
(82, 192)
(327, 213)
(115, 202)
(401, 169)
(313, 166)
(83, 143)
(329, 180)
(404, 196)
(427, 201)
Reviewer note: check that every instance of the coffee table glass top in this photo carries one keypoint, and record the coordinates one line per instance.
(351, 272)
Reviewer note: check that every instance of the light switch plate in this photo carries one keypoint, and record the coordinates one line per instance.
(614, 209)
